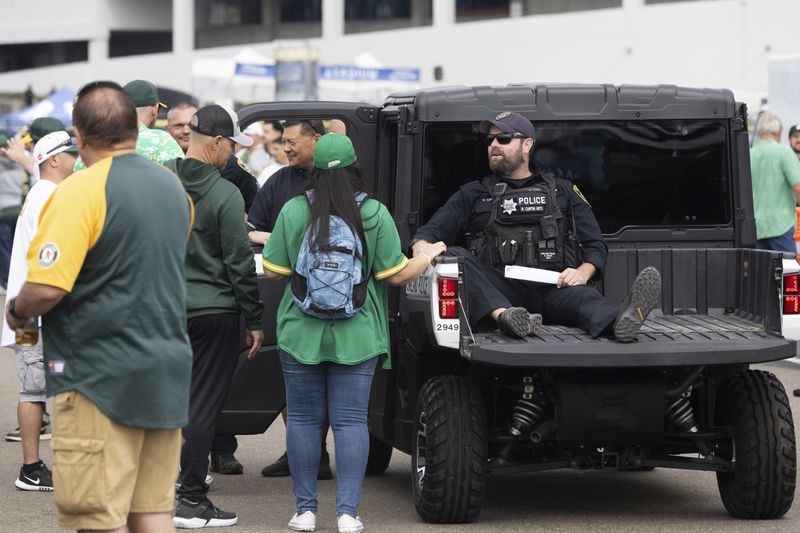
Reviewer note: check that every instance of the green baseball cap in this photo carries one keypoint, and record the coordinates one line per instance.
(41, 127)
(333, 151)
(143, 92)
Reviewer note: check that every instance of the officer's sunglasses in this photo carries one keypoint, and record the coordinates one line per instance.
(503, 138)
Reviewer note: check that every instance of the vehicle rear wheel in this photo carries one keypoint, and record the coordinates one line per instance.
(450, 449)
(755, 405)
(380, 454)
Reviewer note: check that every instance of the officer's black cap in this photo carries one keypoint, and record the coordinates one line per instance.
(509, 123)
(794, 129)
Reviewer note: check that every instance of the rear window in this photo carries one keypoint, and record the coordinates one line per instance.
(660, 173)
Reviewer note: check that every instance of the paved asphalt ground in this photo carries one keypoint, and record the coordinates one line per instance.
(662, 500)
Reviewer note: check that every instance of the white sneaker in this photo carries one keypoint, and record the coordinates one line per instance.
(348, 524)
(304, 522)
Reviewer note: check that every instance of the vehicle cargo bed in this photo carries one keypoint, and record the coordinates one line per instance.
(718, 306)
(673, 340)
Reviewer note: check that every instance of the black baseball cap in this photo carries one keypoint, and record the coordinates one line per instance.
(794, 129)
(213, 120)
(509, 122)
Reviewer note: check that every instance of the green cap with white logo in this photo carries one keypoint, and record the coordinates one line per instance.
(333, 151)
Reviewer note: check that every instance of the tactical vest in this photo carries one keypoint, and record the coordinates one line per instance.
(527, 228)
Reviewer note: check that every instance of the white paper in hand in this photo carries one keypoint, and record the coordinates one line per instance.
(259, 265)
(532, 274)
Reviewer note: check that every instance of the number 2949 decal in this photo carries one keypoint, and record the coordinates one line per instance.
(447, 327)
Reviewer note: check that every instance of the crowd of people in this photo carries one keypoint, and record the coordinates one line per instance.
(134, 246)
(140, 376)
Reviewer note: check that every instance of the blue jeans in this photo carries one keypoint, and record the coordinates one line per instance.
(346, 388)
(781, 243)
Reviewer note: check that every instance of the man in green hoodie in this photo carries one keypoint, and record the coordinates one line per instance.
(221, 283)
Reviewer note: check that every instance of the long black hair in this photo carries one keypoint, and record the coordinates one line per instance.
(335, 194)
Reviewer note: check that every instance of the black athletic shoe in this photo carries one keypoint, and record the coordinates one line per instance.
(280, 468)
(44, 433)
(643, 297)
(190, 515)
(516, 321)
(225, 463)
(40, 480)
(796, 392)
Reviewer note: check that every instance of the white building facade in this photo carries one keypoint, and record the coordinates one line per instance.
(704, 43)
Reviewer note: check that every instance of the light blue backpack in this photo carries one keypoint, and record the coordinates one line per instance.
(329, 281)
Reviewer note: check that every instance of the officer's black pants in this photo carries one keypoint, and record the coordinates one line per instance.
(488, 289)
(215, 345)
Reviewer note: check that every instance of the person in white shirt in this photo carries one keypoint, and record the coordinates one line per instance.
(55, 155)
(278, 161)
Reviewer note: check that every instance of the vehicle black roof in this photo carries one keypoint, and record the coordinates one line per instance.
(549, 101)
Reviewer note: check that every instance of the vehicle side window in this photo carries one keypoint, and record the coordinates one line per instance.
(658, 173)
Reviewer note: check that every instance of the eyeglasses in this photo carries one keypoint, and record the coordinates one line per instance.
(503, 138)
(68, 142)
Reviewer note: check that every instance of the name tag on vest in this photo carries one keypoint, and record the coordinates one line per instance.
(524, 204)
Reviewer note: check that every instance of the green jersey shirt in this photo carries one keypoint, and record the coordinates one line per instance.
(775, 170)
(351, 341)
(155, 145)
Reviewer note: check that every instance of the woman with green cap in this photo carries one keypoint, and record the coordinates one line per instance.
(329, 360)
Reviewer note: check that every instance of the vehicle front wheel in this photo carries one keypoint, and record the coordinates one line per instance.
(448, 459)
(755, 405)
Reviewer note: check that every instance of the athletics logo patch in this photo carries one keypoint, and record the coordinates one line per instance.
(48, 255)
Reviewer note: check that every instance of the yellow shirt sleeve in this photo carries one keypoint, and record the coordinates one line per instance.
(69, 225)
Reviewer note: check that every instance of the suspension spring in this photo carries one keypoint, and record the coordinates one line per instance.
(680, 413)
(524, 417)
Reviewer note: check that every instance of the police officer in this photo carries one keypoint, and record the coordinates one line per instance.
(515, 217)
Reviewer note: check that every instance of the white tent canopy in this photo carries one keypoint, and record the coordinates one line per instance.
(248, 76)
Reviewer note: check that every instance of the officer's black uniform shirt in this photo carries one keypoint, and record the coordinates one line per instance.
(469, 210)
(245, 181)
(281, 187)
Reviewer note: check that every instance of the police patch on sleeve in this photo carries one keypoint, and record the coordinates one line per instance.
(577, 191)
(48, 255)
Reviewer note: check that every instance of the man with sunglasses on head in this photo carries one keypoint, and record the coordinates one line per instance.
(299, 139)
(519, 216)
(54, 155)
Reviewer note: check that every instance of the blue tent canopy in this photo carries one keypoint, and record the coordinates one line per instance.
(58, 104)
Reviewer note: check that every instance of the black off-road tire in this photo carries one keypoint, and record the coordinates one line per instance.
(380, 454)
(450, 449)
(762, 485)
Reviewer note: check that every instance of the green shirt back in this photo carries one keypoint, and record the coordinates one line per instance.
(775, 169)
(351, 341)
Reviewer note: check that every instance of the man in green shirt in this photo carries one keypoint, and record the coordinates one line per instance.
(156, 145)
(776, 186)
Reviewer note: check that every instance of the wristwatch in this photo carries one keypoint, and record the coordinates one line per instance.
(11, 311)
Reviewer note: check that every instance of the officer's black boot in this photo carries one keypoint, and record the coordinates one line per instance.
(517, 322)
(642, 298)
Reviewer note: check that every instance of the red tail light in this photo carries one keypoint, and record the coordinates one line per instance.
(791, 284)
(447, 288)
(448, 293)
(791, 305)
(448, 308)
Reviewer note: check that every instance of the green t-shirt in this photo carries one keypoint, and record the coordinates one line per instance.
(775, 169)
(311, 340)
(154, 144)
